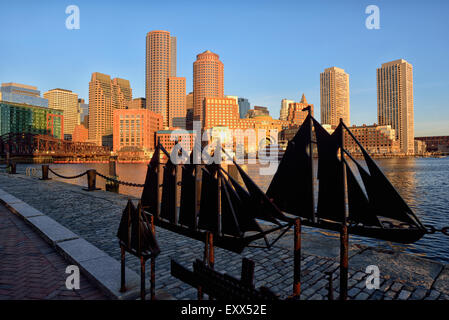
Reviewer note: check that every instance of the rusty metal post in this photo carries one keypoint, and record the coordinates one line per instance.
(297, 260)
(211, 251)
(122, 270)
(142, 278)
(112, 186)
(178, 170)
(91, 180)
(205, 261)
(344, 237)
(160, 178)
(12, 167)
(45, 172)
(153, 265)
(330, 287)
(247, 276)
(198, 176)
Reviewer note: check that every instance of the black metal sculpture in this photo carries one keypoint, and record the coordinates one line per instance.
(136, 236)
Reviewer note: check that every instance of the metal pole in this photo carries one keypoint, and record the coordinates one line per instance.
(311, 165)
(153, 265)
(211, 250)
(142, 278)
(330, 287)
(205, 261)
(178, 171)
(297, 260)
(122, 270)
(219, 216)
(198, 177)
(160, 168)
(45, 172)
(344, 238)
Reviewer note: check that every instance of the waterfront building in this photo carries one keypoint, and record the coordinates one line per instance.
(22, 93)
(177, 102)
(83, 109)
(434, 143)
(376, 139)
(135, 128)
(23, 118)
(420, 147)
(334, 96)
(244, 107)
(80, 134)
(295, 115)
(284, 109)
(220, 112)
(137, 103)
(105, 95)
(395, 101)
(208, 81)
(160, 66)
(168, 138)
(67, 101)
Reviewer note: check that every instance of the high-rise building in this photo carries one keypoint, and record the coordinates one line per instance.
(395, 101)
(207, 81)
(295, 114)
(160, 65)
(22, 93)
(177, 102)
(334, 96)
(67, 101)
(284, 109)
(105, 95)
(244, 107)
(135, 128)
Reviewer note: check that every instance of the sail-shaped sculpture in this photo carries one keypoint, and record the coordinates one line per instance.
(381, 213)
(205, 198)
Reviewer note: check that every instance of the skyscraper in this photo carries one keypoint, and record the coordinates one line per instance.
(160, 65)
(177, 102)
(244, 107)
(284, 109)
(295, 114)
(395, 101)
(207, 81)
(334, 95)
(22, 93)
(67, 101)
(105, 95)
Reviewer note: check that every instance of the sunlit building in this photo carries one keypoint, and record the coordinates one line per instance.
(22, 93)
(208, 81)
(296, 115)
(376, 139)
(177, 102)
(135, 128)
(395, 101)
(80, 134)
(334, 96)
(137, 103)
(284, 109)
(105, 96)
(67, 101)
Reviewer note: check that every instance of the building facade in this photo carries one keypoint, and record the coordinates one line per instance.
(83, 109)
(169, 138)
(433, 142)
(395, 101)
(135, 128)
(334, 96)
(208, 81)
(22, 93)
(284, 109)
(137, 103)
(177, 102)
(160, 65)
(80, 134)
(105, 95)
(244, 107)
(376, 139)
(67, 101)
(295, 115)
(23, 118)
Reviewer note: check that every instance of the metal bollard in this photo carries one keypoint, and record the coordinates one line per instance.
(112, 186)
(91, 180)
(45, 172)
(12, 168)
(330, 286)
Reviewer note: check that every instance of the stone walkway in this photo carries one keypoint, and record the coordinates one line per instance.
(95, 217)
(32, 269)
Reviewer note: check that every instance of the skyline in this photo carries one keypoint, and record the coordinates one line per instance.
(282, 57)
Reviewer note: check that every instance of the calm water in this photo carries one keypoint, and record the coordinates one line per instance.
(422, 182)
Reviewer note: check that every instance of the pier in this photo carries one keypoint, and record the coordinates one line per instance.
(94, 217)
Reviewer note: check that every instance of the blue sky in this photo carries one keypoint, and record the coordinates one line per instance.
(270, 49)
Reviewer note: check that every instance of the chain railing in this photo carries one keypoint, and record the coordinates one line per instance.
(129, 184)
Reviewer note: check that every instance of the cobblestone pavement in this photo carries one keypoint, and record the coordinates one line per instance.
(95, 216)
(32, 269)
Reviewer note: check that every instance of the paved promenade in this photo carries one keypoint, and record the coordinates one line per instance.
(31, 269)
(95, 217)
